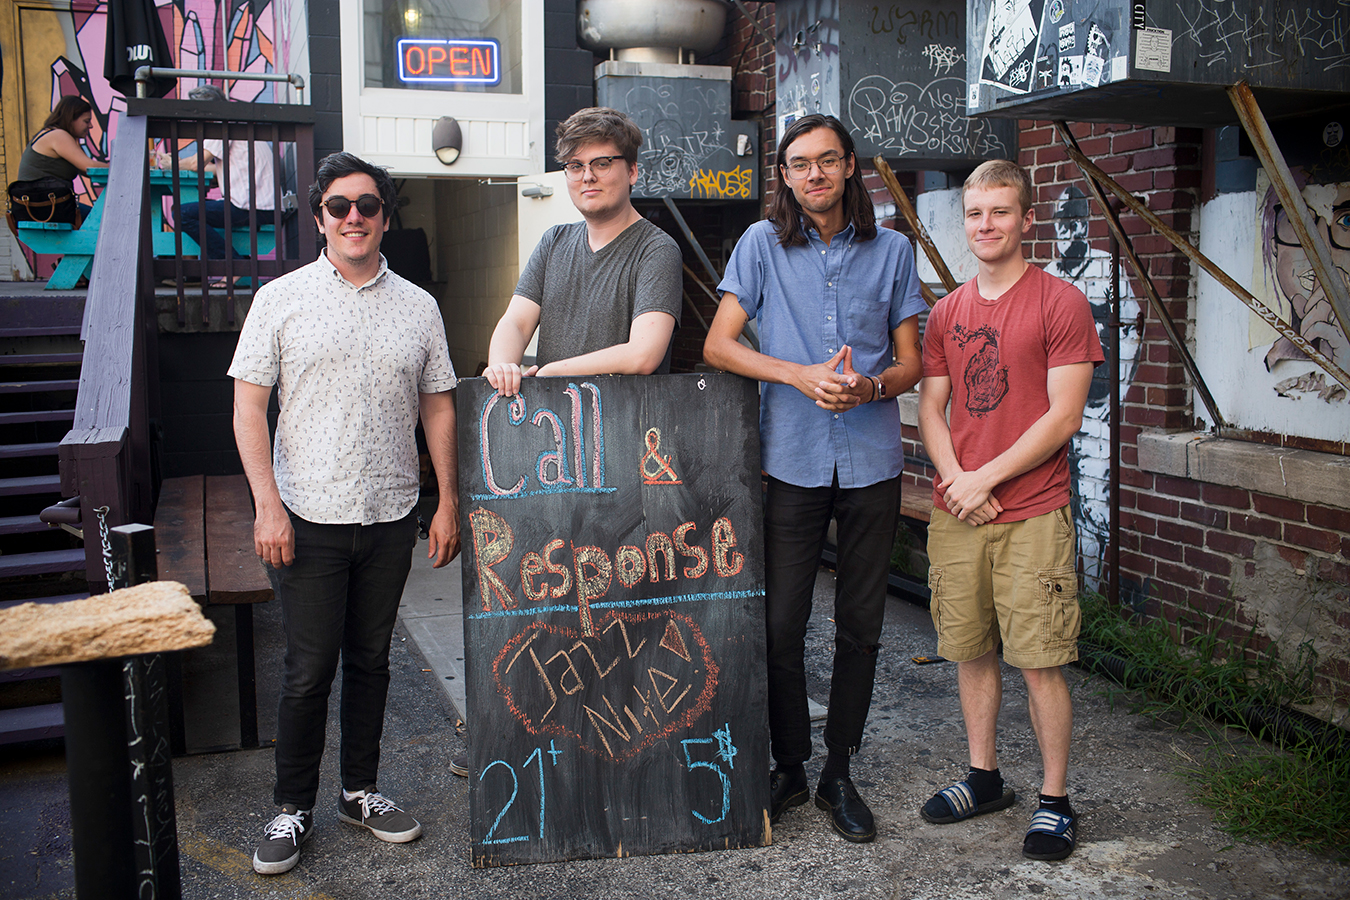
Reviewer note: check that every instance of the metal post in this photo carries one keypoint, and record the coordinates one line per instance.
(153, 832)
(1113, 329)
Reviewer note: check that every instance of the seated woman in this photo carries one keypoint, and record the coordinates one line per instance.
(245, 187)
(43, 190)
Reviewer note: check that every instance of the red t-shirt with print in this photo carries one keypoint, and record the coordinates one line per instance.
(997, 354)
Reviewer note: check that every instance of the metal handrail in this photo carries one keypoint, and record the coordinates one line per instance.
(145, 73)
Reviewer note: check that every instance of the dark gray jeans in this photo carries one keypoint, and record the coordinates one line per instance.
(338, 599)
(795, 523)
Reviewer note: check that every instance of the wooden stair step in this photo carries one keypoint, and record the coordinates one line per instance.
(48, 563)
(40, 448)
(35, 387)
(30, 484)
(42, 415)
(22, 525)
(55, 598)
(31, 723)
(42, 359)
(39, 331)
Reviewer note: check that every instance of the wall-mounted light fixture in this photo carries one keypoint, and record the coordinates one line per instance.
(536, 191)
(447, 139)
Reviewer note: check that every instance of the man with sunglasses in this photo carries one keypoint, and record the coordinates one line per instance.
(357, 354)
(837, 301)
(603, 293)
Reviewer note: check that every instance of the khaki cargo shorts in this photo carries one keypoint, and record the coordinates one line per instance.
(1014, 581)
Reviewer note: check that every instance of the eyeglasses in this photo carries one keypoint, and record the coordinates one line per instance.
(828, 165)
(1338, 231)
(598, 166)
(368, 205)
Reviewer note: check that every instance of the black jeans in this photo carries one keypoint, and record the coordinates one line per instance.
(796, 520)
(339, 597)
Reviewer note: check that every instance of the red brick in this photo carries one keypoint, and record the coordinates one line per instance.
(1126, 499)
(1177, 487)
(1113, 165)
(1096, 146)
(1345, 547)
(1226, 496)
(1159, 506)
(1261, 527)
(1133, 140)
(1311, 538)
(1280, 507)
(1178, 575)
(1160, 200)
(1136, 182)
(1158, 396)
(1209, 562)
(1205, 515)
(1036, 137)
(1160, 549)
(1331, 519)
(1026, 158)
(1181, 534)
(1167, 179)
(1052, 154)
(1330, 570)
(1226, 542)
(1135, 562)
(1137, 478)
(1217, 586)
(1295, 557)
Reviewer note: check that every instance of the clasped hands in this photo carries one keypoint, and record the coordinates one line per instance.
(969, 499)
(834, 385)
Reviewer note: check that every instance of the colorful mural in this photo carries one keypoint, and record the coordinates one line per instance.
(237, 35)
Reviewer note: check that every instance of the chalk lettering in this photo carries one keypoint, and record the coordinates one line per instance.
(492, 543)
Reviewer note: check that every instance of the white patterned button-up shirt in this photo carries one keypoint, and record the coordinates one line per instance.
(348, 363)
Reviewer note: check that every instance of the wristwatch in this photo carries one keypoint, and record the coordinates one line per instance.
(881, 387)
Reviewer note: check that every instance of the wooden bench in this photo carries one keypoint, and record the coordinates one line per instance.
(204, 531)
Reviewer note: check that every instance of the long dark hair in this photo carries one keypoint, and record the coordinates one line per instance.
(68, 109)
(786, 213)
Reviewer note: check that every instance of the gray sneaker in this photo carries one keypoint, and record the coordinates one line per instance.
(372, 810)
(279, 849)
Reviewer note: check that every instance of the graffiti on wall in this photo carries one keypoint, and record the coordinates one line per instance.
(1285, 280)
(237, 35)
(1089, 269)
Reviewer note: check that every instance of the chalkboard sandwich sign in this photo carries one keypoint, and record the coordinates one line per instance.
(613, 617)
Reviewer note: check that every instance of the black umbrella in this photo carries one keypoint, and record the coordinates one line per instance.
(135, 39)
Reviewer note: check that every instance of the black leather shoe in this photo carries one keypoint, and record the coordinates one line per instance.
(786, 790)
(848, 813)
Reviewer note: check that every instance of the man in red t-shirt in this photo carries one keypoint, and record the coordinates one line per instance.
(1013, 351)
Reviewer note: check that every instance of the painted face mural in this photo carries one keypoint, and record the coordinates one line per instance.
(1089, 269)
(1298, 296)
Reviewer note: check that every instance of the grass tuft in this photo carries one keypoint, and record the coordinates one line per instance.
(1297, 793)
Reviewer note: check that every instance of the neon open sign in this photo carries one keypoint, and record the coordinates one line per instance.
(449, 61)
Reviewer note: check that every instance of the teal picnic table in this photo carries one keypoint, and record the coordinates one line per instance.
(76, 245)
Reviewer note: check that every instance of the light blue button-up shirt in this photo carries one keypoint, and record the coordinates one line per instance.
(809, 301)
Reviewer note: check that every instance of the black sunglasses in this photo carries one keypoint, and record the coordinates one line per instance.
(368, 205)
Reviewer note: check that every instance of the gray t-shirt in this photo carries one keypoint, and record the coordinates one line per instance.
(588, 300)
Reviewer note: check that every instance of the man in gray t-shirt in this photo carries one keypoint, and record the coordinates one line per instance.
(603, 293)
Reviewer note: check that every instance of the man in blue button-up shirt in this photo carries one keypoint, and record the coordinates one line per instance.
(836, 301)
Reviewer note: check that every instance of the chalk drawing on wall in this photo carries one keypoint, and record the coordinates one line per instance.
(1089, 269)
(1284, 279)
